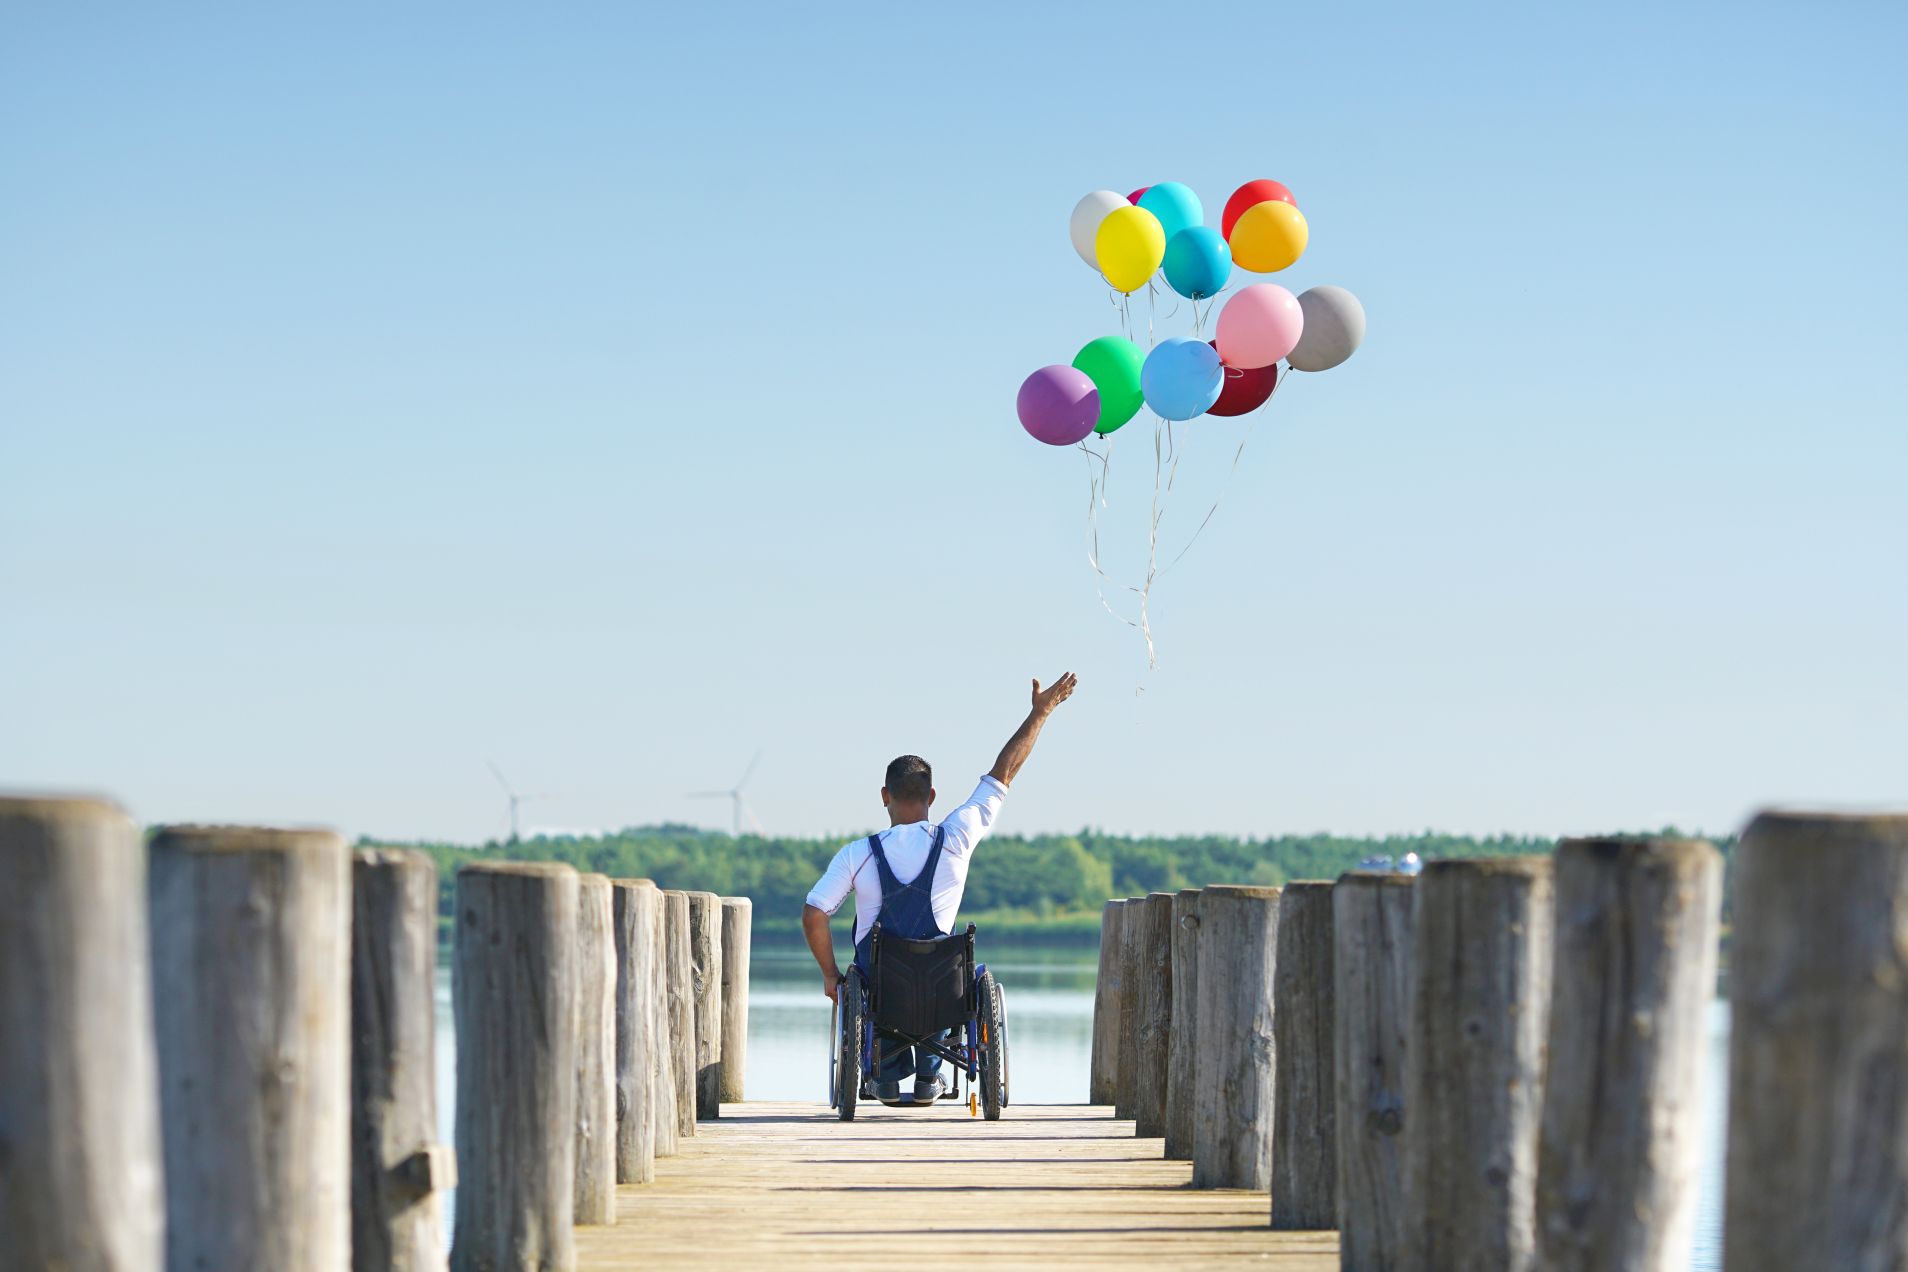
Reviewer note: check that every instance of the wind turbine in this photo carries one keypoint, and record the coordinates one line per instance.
(515, 799)
(739, 805)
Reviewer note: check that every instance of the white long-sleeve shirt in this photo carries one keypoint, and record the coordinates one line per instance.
(906, 848)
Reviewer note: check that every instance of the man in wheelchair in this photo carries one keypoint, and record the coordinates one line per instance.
(914, 984)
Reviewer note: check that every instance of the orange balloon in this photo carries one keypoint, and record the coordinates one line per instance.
(1268, 236)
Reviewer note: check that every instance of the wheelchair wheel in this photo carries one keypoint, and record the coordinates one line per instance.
(993, 1067)
(848, 1062)
(1006, 1052)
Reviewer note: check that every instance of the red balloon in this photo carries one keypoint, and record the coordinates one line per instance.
(1134, 197)
(1252, 192)
(1244, 390)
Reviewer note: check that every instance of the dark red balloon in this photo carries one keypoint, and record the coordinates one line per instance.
(1247, 195)
(1244, 390)
(1134, 197)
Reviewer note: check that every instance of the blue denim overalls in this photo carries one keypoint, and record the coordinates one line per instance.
(907, 910)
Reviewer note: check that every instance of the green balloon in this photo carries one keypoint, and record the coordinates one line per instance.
(1113, 364)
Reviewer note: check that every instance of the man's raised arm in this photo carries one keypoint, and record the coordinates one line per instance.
(1021, 745)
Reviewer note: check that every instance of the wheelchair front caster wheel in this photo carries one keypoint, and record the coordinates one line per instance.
(973, 1104)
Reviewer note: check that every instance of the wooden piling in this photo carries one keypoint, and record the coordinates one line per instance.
(1304, 1117)
(1632, 978)
(665, 1116)
(737, 918)
(705, 957)
(80, 1171)
(1182, 1051)
(251, 955)
(1104, 1064)
(1818, 1055)
(680, 970)
(399, 1172)
(1126, 1080)
(1475, 1060)
(1371, 1019)
(514, 992)
(1233, 1074)
(594, 1198)
(1152, 998)
(636, 906)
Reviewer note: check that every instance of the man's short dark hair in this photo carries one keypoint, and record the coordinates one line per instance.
(911, 779)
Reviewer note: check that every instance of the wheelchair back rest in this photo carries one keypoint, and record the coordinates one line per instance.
(923, 987)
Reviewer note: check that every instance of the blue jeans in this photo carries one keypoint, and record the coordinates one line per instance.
(899, 1063)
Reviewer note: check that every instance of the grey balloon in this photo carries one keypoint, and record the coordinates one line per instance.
(1334, 328)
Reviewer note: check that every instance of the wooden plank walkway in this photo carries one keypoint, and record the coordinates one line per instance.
(788, 1185)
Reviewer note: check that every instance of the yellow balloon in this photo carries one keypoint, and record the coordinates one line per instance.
(1130, 244)
(1268, 236)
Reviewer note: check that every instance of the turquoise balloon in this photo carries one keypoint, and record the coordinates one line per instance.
(1198, 262)
(1182, 378)
(1176, 206)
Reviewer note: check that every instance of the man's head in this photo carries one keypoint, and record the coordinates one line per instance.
(908, 790)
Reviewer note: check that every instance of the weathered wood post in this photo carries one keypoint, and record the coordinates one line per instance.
(399, 1172)
(1304, 1107)
(680, 971)
(1474, 1063)
(665, 1116)
(595, 1185)
(1104, 1066)
(514, 993)
(1233, 1074)
(1126, 1081)
(705, 957)
(1632, 978)
(737, 917)
(1153, 1011)
(1818, 1050)
(1371, 1020)
(251, 958)
(637, 914)
(1183, 1049)
(80, 1174)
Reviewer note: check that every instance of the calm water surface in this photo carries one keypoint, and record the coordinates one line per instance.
(1050, 1004)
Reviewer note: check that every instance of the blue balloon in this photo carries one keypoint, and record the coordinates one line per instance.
(1181, 378)
(1198, 262)
(1176, 206)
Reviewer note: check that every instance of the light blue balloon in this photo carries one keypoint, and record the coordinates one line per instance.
(1176, 206)
(1181, 378)
(1198, 262)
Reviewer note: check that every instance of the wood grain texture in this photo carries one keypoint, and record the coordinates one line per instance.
(787, 1186)
(80, 1172)
(595, 1184)
(1126, 1075)
(680, 973)
(1818, 1056)
(397, 1215)
(1183, 1048)
(1475, 1061)
(1304, 1116)
(1233, 1074)
(738, 914)
(637, 915)
(1371, 1021)
(664, 1054)
(1104, 1063)
(705, 966)
(1153, 1012)
(1633, 975)
(251, 953)
(514, 994)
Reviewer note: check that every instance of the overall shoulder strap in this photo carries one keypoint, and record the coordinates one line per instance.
(889, 884)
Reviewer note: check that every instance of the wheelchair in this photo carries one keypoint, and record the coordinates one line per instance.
(918, 989)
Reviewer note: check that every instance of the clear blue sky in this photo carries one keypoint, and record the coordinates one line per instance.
(613, 390)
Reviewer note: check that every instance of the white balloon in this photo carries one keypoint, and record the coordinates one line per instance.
(1334, 328)
(1087, 215)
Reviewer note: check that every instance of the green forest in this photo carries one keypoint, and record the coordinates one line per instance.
(1034, 884)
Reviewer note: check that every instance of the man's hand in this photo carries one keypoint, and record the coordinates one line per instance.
(1045, 700)
(831, 985)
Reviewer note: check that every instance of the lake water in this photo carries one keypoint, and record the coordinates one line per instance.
(1050, 1005)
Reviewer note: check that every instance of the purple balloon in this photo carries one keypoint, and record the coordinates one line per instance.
(1058, 405)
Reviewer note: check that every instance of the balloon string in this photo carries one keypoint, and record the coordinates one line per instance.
(1277, 384)
(1096, 498)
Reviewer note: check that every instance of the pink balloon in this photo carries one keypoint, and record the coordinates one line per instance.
(1259, 325)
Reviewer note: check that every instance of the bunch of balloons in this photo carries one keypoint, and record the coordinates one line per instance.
(1160, 229)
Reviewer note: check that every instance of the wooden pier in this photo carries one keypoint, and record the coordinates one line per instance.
(789, 1186)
